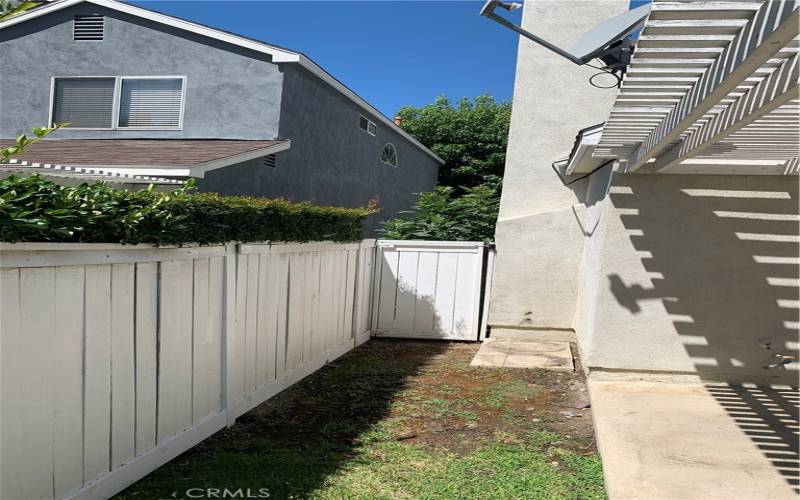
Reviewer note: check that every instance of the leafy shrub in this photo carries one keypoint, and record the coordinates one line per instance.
(471, 136)
(443, 215)
(35, 209)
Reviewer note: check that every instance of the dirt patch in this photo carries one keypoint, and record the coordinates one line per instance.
(452, 405)
(438, 400)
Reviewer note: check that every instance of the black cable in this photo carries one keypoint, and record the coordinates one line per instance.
(612, 86)
(602, 71)
(572, 181)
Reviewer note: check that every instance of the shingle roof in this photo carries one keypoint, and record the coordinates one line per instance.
(127, 152)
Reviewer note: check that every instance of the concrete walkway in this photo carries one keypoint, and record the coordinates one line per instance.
(688, 441)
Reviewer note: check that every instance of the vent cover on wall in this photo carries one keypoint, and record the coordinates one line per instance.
(88, 28)
(269, 161)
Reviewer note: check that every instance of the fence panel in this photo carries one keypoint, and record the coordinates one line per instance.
(294, 314)
(111, 363)
(428, 289)
(115, 359)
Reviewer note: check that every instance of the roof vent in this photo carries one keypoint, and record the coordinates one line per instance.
(269, 161)
(88, 28)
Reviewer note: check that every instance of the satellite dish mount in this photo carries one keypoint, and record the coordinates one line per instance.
(608, 41)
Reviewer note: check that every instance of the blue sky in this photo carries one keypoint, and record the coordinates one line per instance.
(390, 53)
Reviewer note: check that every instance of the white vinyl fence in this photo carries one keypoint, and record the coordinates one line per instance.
(115, 359)
(294, 313)
(431, 289)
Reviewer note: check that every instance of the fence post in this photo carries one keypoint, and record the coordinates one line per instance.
(229, 329)
(487, 291)
(354, 313)
(362, 300)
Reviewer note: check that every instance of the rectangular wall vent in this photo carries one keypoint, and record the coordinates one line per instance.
(88, 28)
(269, 161)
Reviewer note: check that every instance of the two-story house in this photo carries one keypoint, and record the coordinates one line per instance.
(150, 94)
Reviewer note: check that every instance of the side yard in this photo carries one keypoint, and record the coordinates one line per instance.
(401, 419)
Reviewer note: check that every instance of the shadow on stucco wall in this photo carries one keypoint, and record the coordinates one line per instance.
(722, 256)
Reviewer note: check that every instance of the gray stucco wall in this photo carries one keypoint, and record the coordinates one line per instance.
(331, 161)
(231, 92)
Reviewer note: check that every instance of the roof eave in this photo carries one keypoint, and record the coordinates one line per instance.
(200, 169)
(197, 170)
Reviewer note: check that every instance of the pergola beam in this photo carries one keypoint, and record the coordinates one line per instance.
(772, 92)
(772, 27)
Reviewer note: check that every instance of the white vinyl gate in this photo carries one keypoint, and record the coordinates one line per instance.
(429, 289)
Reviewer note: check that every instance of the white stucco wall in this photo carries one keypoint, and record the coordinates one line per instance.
(593, 223)
(673, 274)
(539, 239)
(688, 273)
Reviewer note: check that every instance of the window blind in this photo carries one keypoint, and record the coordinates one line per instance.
(84, 102)
(151, 102)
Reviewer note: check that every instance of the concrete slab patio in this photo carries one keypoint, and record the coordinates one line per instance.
(523, 353)
(693, 441)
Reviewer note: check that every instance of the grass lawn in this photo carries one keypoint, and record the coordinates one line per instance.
(402, 419)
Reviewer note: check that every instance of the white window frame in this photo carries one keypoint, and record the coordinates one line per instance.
(369, 122)
(117, 97)
(118, 100)
(51, 115)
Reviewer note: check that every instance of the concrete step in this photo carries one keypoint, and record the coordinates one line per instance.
(516, 353)
(532, 335)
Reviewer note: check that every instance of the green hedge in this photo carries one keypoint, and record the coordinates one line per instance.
(35, 209)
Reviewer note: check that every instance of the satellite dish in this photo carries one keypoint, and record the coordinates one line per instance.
(608, 41)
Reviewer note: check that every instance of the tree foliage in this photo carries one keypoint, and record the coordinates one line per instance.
(9, 9)
(471, 137)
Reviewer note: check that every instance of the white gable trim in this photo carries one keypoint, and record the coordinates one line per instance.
(278, 55)
(201, 169)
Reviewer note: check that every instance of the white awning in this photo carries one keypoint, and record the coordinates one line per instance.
(21, 167)
(712, 88)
